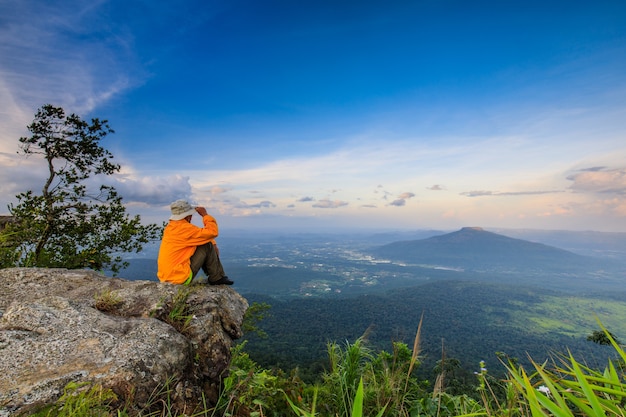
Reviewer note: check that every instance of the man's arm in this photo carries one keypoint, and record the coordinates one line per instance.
(212, 224)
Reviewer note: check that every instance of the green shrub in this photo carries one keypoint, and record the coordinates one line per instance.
(251, 391)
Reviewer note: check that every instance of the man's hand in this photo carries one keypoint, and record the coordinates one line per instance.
(201, 211)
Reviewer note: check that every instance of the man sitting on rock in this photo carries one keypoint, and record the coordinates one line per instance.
(185, 248)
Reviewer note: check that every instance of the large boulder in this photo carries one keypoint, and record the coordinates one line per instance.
(133, 337)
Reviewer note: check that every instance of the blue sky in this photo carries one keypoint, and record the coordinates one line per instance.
(320, 115)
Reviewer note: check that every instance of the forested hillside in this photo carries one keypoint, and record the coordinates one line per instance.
(471, 320)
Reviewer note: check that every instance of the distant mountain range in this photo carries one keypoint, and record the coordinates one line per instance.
(331, 266)
(473, 248)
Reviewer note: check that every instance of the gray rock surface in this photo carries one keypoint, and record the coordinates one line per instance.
(58, 326)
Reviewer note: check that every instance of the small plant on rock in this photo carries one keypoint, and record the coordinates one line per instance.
(80, 399)
(179, 313)
(107, 301)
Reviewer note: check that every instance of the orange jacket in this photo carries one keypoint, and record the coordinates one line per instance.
(179, 242)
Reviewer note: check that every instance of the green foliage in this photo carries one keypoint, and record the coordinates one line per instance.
(378, 383)
(175, 310)
(446, 405)
(179, 314)
(252, 391)
(357, 405)
(390, 381)
(342, 379)
(602, 337)
(299, 410)
(80, 400)
(255, 313)
(70, 225)
(570, 388)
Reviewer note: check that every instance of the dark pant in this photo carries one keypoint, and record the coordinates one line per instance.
(206, 257)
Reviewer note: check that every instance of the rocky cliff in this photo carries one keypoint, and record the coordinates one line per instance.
(134, 337)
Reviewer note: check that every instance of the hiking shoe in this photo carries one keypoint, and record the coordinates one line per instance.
(223, 281)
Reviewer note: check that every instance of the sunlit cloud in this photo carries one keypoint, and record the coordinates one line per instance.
(599, 180)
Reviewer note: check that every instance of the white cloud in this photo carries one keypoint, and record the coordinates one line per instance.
(330, 204)
(483, 193)
(156, 191)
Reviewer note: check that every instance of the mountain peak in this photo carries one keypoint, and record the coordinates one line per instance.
(478, 249)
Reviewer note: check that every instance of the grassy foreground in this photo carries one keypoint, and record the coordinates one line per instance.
(359, 383)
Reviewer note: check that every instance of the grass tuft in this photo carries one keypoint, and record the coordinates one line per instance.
(107, 301)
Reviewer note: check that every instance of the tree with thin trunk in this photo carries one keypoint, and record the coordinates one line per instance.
(71, 223)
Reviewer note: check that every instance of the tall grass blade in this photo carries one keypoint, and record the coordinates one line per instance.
(555, 390)
(586, 389)
(537, 402)
(357, 406)
(299, 411)
(416, 351)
